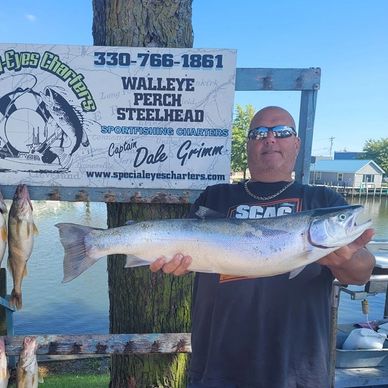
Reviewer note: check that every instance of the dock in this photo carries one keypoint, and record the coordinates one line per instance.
(369, 191)
(361, 367)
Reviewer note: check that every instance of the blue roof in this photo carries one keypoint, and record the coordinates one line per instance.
(343, 166)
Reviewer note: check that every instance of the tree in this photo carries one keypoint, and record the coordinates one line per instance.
(142, 302)
(239, 138)
(377, 150)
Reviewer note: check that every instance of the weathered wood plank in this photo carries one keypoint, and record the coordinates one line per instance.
(105, 194)
(361, 377)
(277, 79)
(104, 344)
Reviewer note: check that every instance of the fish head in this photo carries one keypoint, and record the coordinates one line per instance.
(53, 101)
(2, 346)
(22, 199)
(30, 346)
(3, 206)
(337, 226)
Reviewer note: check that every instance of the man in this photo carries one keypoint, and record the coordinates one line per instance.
(268, 332)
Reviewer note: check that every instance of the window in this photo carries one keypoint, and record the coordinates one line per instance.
(368, 178)
(340, 177)
(317, 175)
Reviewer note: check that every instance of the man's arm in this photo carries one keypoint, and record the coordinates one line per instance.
(352, 264)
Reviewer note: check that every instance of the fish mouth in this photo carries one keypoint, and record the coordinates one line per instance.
(339, 226)
(22, 194)
(362, 219)
(3, 207)
(21, 191)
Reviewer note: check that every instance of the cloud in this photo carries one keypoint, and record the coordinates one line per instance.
(30, 18)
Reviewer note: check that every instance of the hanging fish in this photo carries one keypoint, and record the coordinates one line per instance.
(27, 375)
(21, 231)
(3, 227)
(4, 373)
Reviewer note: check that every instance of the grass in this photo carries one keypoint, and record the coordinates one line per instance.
(76, 381)
(93, 372)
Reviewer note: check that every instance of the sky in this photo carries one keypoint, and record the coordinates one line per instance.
(347, 39)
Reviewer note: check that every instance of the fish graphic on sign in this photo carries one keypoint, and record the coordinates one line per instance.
(40, 131)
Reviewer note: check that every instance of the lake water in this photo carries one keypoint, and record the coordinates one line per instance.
(82, 306)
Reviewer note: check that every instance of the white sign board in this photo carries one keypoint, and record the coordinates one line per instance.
(120, 117)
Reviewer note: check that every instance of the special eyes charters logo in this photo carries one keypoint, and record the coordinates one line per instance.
(41, 128)
(50, 62)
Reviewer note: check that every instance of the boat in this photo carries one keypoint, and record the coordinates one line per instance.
(361, 367)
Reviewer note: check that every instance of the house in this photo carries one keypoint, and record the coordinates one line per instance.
(350, 173)
(341, 155)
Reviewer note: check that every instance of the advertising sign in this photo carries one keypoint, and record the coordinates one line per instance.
(120, 117)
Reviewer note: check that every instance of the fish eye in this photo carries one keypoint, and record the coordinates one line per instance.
(342, 217)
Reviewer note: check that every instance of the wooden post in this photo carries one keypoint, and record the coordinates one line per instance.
(335, 296)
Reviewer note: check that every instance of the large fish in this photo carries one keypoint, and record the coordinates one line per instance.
(3, 227)
(66, 118)
(4, 374)
(227, 246)
(27, 368)
(21, 231)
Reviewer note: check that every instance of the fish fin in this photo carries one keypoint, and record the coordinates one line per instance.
(16, 299)
(32, 229)
(204, 212)
(296, 272)
(3, 234)
(134, 261)
(76, 258)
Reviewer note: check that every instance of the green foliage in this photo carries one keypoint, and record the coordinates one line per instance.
(75, 381)
(243, 117)
(377, 150)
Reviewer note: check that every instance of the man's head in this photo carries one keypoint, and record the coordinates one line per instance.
(272, 146)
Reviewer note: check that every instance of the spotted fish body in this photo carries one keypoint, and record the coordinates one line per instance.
(65, 117)
(21, 231)
(4, 374)
(27, 368)
(264, 247)
(3, 227)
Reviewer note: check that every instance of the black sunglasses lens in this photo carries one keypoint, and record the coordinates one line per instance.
(280, 131)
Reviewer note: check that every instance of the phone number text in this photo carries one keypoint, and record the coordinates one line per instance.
(206, 61)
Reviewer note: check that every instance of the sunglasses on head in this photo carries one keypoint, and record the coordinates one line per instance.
(280, 131)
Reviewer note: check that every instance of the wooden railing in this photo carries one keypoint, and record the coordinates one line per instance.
(64, 345)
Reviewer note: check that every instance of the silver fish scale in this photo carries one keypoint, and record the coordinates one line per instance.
(262, 247)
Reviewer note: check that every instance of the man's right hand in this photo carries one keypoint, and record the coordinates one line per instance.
(178, 265)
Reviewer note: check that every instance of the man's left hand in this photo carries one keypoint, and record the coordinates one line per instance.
(344, 254)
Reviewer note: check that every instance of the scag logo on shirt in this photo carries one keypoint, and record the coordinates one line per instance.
(265, 210)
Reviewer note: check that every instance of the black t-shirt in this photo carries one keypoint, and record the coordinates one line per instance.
(268, 332)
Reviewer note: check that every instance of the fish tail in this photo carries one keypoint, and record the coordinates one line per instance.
(77, 258)
(16, 299)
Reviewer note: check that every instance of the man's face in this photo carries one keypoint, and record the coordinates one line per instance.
(272, 154)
